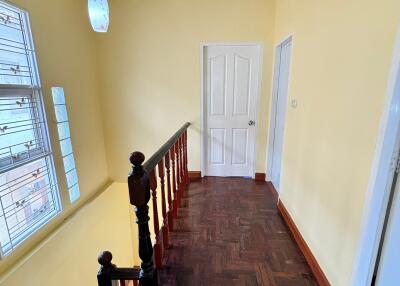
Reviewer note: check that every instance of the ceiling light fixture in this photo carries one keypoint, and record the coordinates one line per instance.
(99, 15)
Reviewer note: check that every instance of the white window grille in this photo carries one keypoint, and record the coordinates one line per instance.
(29, 195)
(65, 143)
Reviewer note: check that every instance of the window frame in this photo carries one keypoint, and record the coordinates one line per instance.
(41, 131)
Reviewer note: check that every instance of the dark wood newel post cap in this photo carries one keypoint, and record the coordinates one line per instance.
(105, 258)
(137, 158)
(138, 181)
(106, 268)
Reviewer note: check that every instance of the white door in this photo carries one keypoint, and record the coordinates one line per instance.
(388, 273)
(278, 110)
(231, 83)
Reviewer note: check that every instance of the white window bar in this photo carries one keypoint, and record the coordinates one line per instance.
(1, 252)
(29, 195)
(65, 143)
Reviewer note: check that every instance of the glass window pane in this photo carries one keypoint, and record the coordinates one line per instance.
(66, 146)
(28, 197)
(63, 130)
(5, 243)
(14, 68)
(15, 52)
(69, 163)
(61, 113)
(72, 178)
(58, 95)
(74, 193)
(16, 122)
(21, 136)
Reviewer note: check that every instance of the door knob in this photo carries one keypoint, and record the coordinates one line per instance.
(252, 122)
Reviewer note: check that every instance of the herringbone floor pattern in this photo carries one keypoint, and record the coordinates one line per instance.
(229, 233)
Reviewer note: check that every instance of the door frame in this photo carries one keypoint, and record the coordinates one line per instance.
(203, 109)
(274, 90)
(378, 194)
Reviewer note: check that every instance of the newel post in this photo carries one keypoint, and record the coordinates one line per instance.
(139, 193)
(106, 268)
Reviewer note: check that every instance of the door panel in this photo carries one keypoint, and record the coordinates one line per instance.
(217, 143)
(280, 94)
(241, 92)
(239, 143)
(231, 86)
(217, 85)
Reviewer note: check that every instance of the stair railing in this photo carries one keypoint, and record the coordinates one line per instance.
(169, 163)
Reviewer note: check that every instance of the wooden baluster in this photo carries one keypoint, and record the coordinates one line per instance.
(184, 182)
(181, 162)
(139, 193)
(174, 183)
(157, 246)
(169, 191)
(178, 174)
(181, 167)
(186, 158)
(122, 283)
(161, 175)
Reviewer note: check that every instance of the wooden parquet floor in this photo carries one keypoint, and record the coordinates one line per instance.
(229, 233)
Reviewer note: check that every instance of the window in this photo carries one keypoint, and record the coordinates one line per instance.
(65, 143)
(28, 188)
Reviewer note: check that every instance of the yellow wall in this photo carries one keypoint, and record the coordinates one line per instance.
(66, 56)
(149, 76)
(341, 58)
(69, 256)
(150, 63)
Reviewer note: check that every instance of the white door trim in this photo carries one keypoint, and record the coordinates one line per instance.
(203, 46)
(378, 193)
(272, 112)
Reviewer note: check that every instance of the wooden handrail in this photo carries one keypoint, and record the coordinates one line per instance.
(152, 162)
(169, 164)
